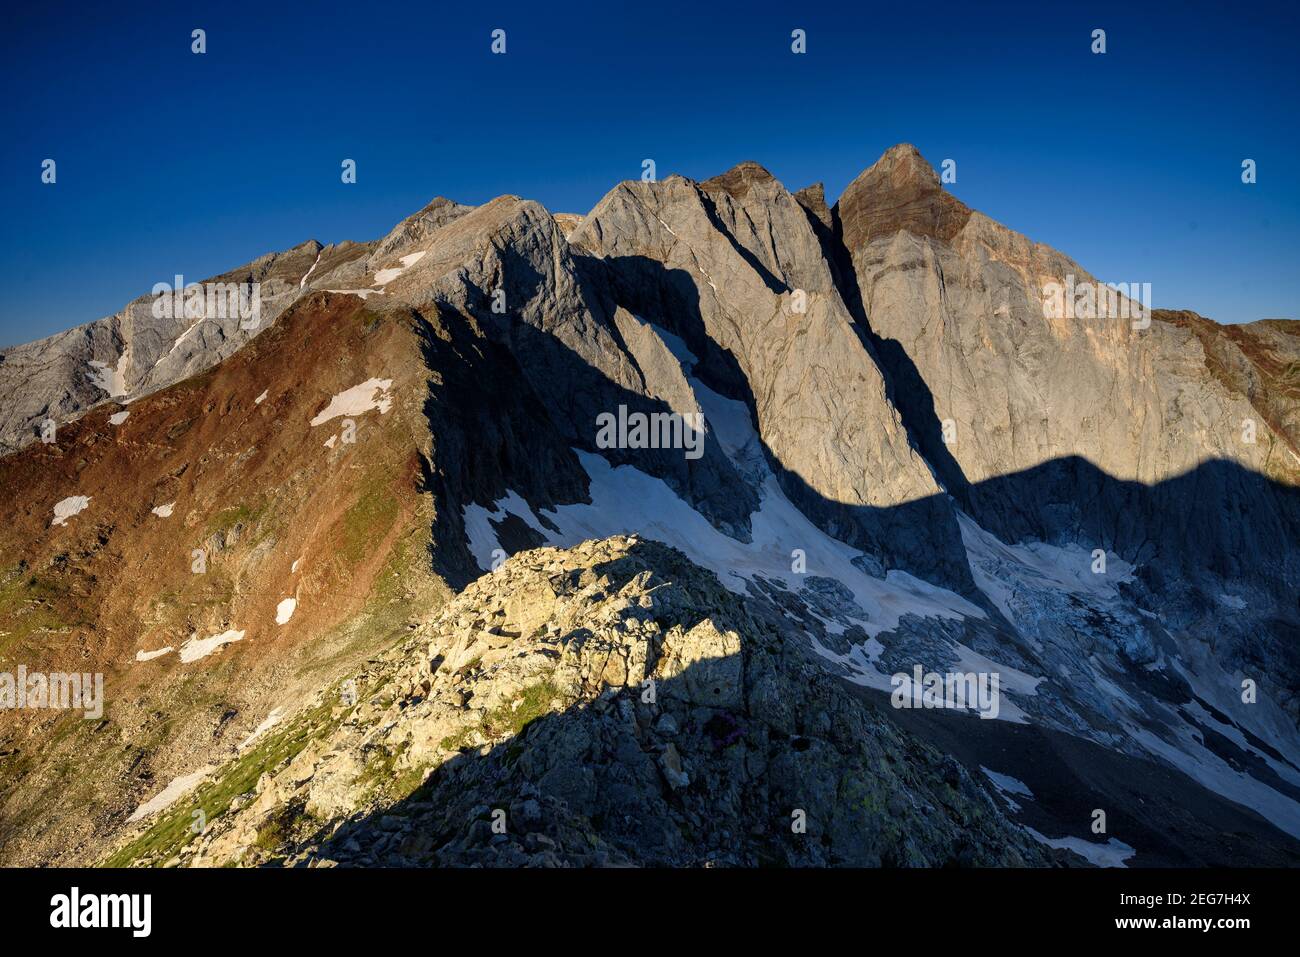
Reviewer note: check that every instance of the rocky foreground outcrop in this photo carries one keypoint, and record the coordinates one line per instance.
(607, 704)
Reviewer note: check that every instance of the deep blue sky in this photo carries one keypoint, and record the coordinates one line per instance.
(170, 162)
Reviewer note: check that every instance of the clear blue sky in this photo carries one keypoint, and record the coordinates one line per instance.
(170, 162)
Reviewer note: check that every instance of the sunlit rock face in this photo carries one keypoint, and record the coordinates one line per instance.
(465, 489)
(1037, 400)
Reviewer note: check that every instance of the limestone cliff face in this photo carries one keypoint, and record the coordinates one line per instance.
(734, 267)
(507, 271)
(1091, 410)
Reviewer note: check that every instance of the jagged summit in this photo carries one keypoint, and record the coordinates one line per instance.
(900, 191)
(905, 159)
(739, 180)
(813, 199)
(418, 227)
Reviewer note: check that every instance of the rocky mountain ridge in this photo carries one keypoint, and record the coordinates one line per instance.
(906, 461)
(612, 704)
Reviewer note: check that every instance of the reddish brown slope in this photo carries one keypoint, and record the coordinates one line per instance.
(257, 490)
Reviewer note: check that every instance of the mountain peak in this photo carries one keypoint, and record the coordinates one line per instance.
(813, 199)
(900, 191)
(904, 162)
(416, 228)
(739, 180)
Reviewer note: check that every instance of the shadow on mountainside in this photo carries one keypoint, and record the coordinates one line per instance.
(1219, 517)
(904, 384)
(1170, 819)
(733, 750)
(754, 757)
(508, 403)
(920, 536)
(782, 747)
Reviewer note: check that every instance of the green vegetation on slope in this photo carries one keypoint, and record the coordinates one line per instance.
(174, 828)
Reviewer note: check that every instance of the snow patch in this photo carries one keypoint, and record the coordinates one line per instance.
(151, 655)
(482, 539)
(173, 792)
(1009, 679)
(68, 507)
(117, 418)
(1006, 786)
(371, 394)
(177, 344)
(626, 501)
(284, 611)
(361, 293)
(1188, 754)
(196, 648)
(1000, 570)
(261, 398)
(303, 282)
(271, 721)
(678, 347)
(1111, 854)
(163, 511)
(111, 380)
(385, 276)
(1181, 744)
